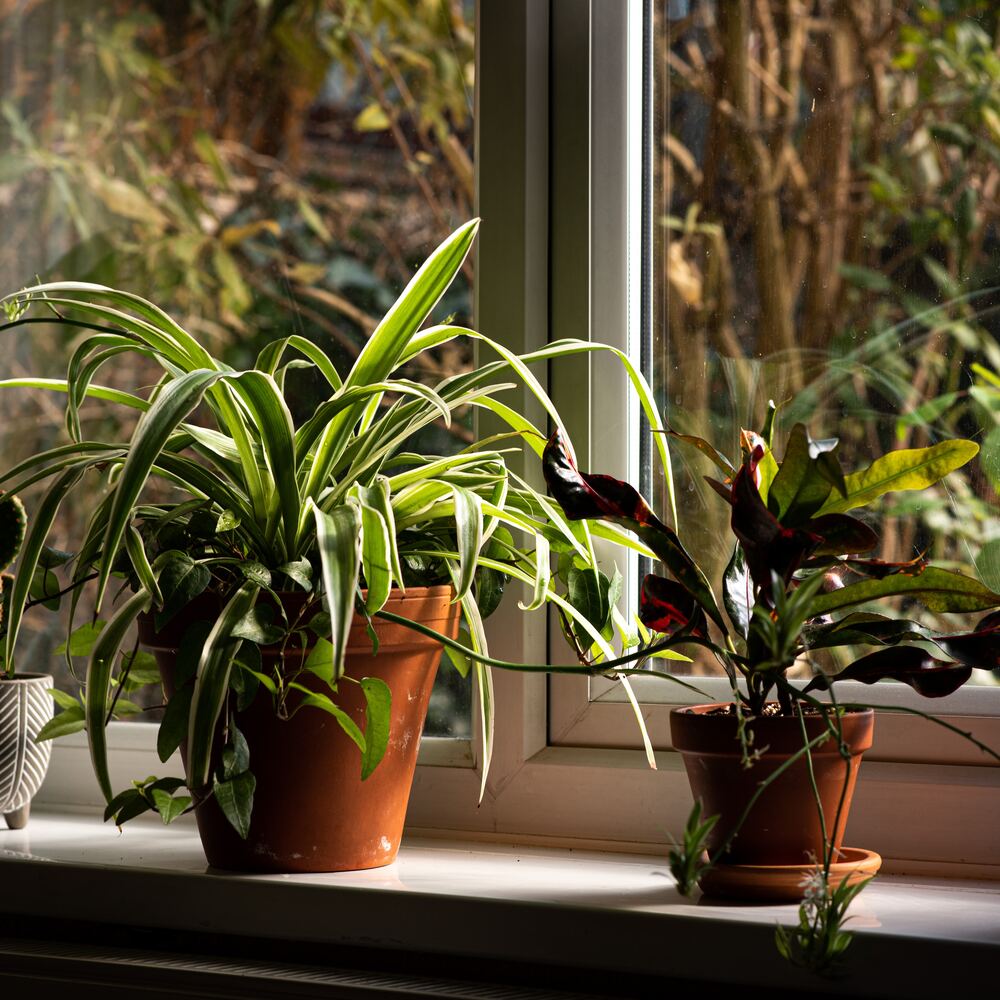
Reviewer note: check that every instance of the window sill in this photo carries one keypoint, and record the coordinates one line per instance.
(561, 909)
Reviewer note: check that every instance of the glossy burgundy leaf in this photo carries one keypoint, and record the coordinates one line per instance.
(842, 535)
(976, 649)
(667, 607)
(769, 547)
(583, 495)
(924, 673)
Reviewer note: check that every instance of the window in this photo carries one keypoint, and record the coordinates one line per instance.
(588, 751)
(813, 284)
(243, 165)
(573, 244)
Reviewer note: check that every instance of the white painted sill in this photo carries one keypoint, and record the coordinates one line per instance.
(924, 819)
(560, 908)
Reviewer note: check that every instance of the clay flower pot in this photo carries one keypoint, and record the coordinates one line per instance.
(311, 811)
(783, 827)
(25, 706)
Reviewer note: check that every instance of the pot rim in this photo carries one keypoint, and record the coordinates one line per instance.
(24, 678)
(396, 596)
(432, 606)
(694, 732)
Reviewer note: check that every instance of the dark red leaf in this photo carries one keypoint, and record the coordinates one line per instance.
(769, 546)
(976, 649)
(842, 535)
(589, 496)
(584, 496)
(667, 607)
(928, 676)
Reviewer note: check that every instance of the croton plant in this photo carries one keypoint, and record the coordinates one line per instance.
(802, 576)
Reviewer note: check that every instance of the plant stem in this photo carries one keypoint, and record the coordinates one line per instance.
(590, 670)
(60, 593)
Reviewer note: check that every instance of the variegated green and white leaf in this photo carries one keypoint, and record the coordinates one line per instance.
(97, 691)
(212, 682)
(176, 400)
(469, 533)
(339, 540)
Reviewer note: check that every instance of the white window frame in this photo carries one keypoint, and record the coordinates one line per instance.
(552, 262)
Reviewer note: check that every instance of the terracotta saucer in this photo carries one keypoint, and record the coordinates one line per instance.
(783, 883)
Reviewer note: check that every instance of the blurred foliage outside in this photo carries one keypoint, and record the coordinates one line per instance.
(256, 167)
(828, 183)
(828, 176)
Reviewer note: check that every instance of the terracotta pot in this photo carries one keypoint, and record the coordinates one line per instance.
(25, 706)
(312, 812)
(783, 827)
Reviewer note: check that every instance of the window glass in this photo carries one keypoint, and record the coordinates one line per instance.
(256, 167)
(826, 180)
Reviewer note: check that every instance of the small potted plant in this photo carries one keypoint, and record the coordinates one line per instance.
(294, 579)
(773, 770)
(25, 699)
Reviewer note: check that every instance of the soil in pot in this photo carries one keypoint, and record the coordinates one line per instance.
(312, 812)
(783, 826)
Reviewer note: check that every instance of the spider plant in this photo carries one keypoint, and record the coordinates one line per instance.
(333, 505)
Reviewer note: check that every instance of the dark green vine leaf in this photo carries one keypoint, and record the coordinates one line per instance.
(173, 725)
(181, 579)
(82, 639)
(235, 798)
(168, 806)
(258, 626)
(378, 709)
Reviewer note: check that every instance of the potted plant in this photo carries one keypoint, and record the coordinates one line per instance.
(25, 702)
(293, 577)
(773, 770)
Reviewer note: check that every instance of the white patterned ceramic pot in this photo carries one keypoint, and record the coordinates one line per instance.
(25, 706)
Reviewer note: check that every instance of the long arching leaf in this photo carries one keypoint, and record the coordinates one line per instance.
(339, 537)
(273, 421)
(175, 401)
(154, 322)
(38, 530)
(350, 398)
(270, 357)
(100, 668)
(469, 533)
(93, 391)
(212, 683)
(379, 497)
(408, 313)
(48, 463)
(390, 339)
(375, 558)
(84, 365)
